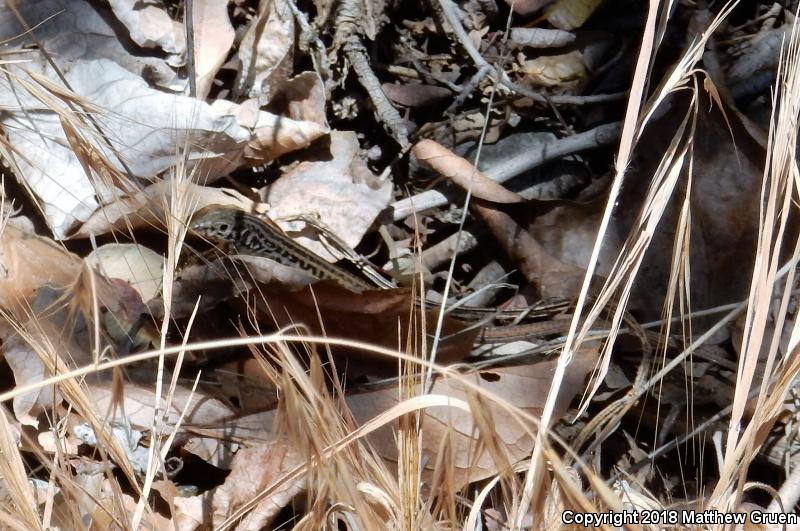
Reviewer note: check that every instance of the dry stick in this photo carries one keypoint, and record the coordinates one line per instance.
(448, 12)
(485, 283)
(310, 43)
(510, 168)
(349, 21)
(432, 77)
(789, 492)
(190, 63)
(357, 55)
(469, 88)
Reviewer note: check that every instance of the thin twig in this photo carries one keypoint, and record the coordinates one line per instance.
(357, 55)
(190, 64)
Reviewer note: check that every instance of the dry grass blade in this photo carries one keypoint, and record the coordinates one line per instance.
(779, 186)
(15, 480)
(630, 258)
(533, 480)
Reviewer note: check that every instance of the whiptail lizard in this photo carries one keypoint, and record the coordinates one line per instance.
(251, 235)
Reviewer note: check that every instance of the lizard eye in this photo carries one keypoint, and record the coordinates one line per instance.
(223, 227)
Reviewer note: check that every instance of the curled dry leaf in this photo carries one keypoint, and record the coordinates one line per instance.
(541, 37)
(266, 52)
(525, 386)
(463, 173)
(551, 277)
(213, 38)
(29, 262)
(150, 26)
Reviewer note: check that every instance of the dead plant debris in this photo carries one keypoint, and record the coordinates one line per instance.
(363, 264)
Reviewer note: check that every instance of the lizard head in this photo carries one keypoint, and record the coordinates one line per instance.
(216, 222)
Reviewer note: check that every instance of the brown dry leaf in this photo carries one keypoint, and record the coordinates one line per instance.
(415, 95)
(302, 98)
(567, 231)
(139, 408)
(253, 470)
(463, 173)
(50, 329)
(29, 262)
(551, 277)
(555, 70)
(150, 26)
(341, 192)
(27, 368)
(243, 383)
(53, 328)
(139, 405)
(213, 38)
(524, 386)
(150, 520)
(266, 52)
(725, 202)
(78, 31)
(379, 317)
(92, 496)
(252, 430)
(124, 322)
(571, 14)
